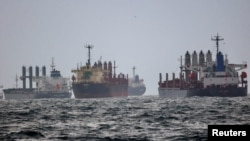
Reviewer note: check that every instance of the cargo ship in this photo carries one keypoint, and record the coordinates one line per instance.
(17, 93)
(207, 77)
(136, 86)
(53, 86)
(174, 88)
(98, 80)
(1, 92)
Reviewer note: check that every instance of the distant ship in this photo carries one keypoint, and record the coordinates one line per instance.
(21, 93)
(18, 93)
(174, 88)
(98, 81)
(207, 78)
(136, 86)
(1, 92)
(54, 86)
(46, 87)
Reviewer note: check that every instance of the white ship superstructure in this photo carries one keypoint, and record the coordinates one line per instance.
(217, 77)
(136, 86)
(53, 86)
(203, 76)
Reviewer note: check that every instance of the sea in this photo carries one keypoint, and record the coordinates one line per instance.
(143, 118)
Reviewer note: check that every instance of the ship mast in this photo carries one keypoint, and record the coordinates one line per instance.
(52, 64)
(88, 47)
(181, 78)
(134, 71)
(16, 81)
(181, 67)
(217, 39)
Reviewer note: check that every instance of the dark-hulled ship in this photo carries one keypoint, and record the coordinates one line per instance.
(1, 92)
(136, 86)
(21, 93)
(98, 81)
(209, 78)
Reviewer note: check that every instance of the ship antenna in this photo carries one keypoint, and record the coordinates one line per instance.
(16, 81)
(181, 67)
(89, 47)
(52, 64)
(217, 39)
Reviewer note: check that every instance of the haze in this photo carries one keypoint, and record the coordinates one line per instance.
(148, 34)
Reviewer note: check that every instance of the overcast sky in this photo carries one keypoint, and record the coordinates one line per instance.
(148, 34)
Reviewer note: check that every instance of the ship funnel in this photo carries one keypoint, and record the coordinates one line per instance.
(220, 62)
(30, 76)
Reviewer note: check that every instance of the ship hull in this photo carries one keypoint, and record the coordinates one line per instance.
(172, 92)
(218, 92)
(138, 91)
(99, 90)
(18, 94)
(41, 95)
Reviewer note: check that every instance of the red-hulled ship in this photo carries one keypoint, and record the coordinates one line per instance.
(217, 78)
(98, 81)
(204, 76)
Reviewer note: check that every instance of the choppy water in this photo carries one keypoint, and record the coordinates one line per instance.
(132, 118)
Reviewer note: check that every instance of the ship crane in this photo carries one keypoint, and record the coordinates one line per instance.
(239, 67)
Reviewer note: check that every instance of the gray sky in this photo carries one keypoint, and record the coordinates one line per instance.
(148, 34)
